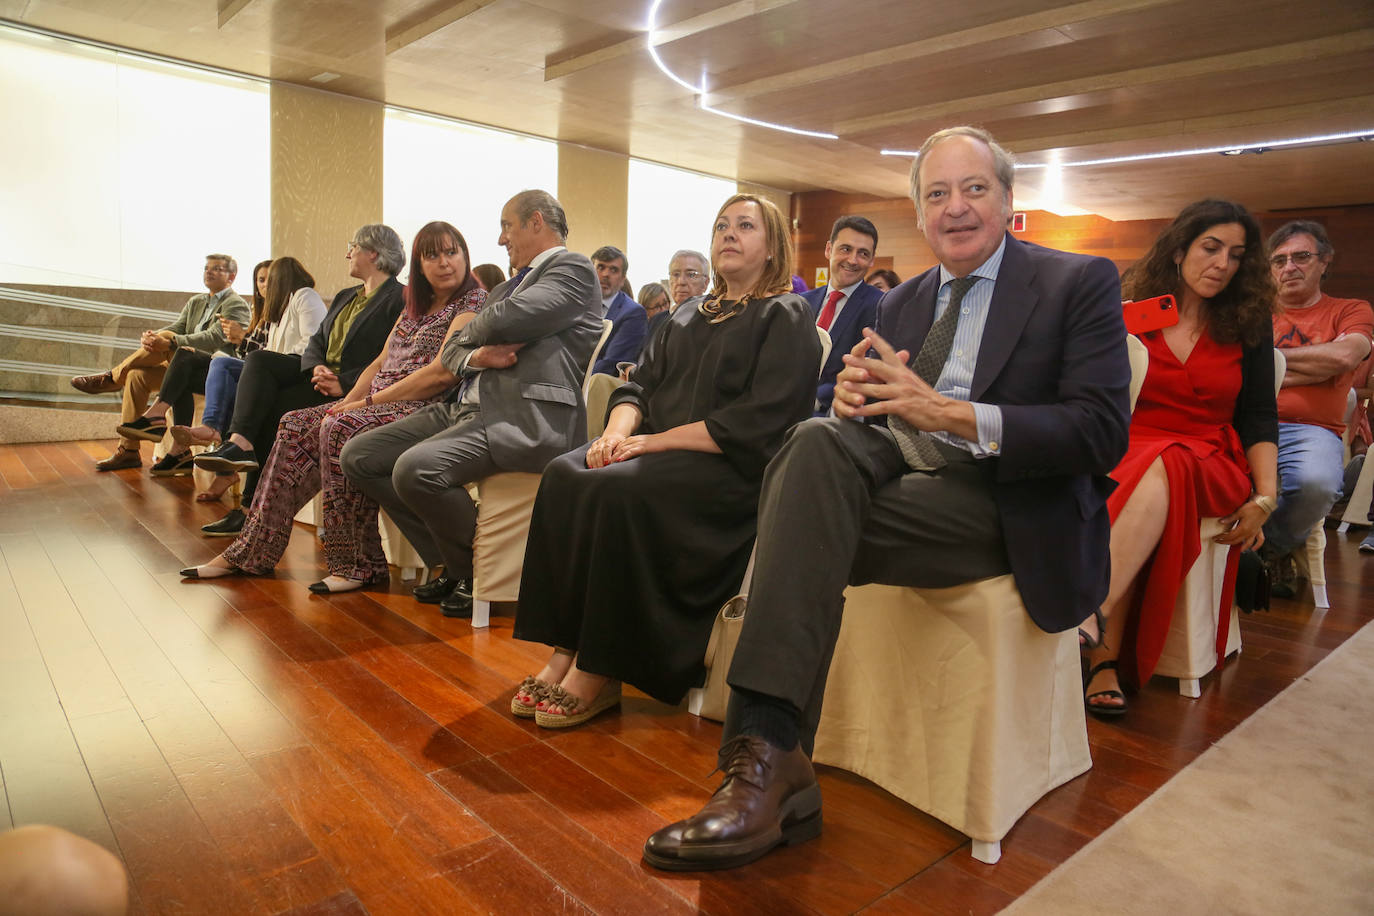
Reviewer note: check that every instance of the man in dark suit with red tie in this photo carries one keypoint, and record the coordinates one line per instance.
(846, 304)
(1002, 376)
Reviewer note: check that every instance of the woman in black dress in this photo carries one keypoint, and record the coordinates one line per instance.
(638, 538)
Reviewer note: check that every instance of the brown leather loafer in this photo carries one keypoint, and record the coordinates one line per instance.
(769, 798)
(120, 459)
(103, 383)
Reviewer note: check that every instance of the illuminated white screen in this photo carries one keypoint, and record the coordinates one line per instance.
(125, 172)
(436, 169)
(670, 209)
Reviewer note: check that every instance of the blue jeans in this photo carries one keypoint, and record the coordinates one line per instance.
(1310, 479)
(221, 384)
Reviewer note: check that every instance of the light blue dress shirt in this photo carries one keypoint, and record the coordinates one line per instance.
(956, 378)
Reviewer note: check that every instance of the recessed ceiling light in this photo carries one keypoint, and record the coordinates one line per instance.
(325, 77)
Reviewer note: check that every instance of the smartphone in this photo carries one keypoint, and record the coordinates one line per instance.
(1145, 315)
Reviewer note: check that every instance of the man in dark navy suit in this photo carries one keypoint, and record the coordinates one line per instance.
(846, 304)
(973, 442)
(629, 323)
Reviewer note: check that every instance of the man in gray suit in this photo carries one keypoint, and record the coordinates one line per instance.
(519, 405)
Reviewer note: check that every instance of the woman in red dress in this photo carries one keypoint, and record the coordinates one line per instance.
(1203, 436)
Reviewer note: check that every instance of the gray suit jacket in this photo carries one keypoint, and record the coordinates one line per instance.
(533, 411)
(210, 340)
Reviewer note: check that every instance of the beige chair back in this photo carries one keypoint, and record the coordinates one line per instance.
(824, 335)
(606, 326)
(600, 387)
(1140, 365)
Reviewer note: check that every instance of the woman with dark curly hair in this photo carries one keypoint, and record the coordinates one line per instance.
(1203, 436)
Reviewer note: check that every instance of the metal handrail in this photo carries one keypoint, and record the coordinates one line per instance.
(86, 305)
(34, 332)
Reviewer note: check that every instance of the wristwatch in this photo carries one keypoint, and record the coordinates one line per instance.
(1267, 503)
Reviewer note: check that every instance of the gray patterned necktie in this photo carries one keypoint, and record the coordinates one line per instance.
(918, 448)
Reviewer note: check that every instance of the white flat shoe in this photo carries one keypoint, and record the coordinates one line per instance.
(334, 585)
(209, 572)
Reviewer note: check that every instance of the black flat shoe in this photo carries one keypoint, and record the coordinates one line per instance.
(1096, 708)
(143, 428)
(228, 457)
(458, 603)
(227, 527)
(436, 589)
(173, 466)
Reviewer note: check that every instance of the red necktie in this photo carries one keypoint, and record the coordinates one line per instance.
(828, 313)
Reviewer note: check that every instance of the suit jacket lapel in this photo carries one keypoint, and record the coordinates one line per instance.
(1013, 299)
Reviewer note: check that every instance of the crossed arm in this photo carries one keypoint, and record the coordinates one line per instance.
(1316, 363)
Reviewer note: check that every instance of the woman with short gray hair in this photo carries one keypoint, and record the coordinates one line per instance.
(382, 241)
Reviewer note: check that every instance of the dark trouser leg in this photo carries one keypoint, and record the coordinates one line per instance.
(415, 469)
(839, 505)
(270, 385)
(292, 397)
(185, 379)
(265, 373)
(430, 480)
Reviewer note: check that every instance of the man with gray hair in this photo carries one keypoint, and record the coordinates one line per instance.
(972, 437)
(1324, 340)
(140, 374)
(689, 273)
(629, 322)
(516, 405)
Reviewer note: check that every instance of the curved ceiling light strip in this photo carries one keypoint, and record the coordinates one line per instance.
(700, 91)
(1231, 149)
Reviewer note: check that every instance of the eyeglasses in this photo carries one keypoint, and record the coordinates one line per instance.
(1299, 259)
(352, 247)
(216, 269)
(685, 275)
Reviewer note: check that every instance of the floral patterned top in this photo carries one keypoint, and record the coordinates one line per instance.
(415, 342)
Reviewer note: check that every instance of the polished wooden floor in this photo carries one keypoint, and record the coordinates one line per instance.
(247, 747)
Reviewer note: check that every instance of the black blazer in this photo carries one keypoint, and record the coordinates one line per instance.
(365, 338)
(1053, 357)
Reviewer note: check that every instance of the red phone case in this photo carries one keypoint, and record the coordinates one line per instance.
(1145, 315)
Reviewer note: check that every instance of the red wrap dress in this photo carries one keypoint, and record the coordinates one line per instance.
(1184, 417)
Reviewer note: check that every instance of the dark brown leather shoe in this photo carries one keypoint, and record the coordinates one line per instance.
(769, 798)
(103, 383)
(121, 459)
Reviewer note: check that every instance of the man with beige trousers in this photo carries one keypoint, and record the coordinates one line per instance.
(140, 374)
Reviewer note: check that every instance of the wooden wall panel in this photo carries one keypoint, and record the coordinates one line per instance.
(326, 178)
(594, 189)
(1351, 229)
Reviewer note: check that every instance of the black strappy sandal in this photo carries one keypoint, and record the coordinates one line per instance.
(1097, 709)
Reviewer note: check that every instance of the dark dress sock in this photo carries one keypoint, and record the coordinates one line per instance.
(774, 720)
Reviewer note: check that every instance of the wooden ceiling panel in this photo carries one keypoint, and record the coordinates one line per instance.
(1084, 78)
(1167, 112)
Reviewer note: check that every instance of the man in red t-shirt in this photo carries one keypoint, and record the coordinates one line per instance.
(1324, 340)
